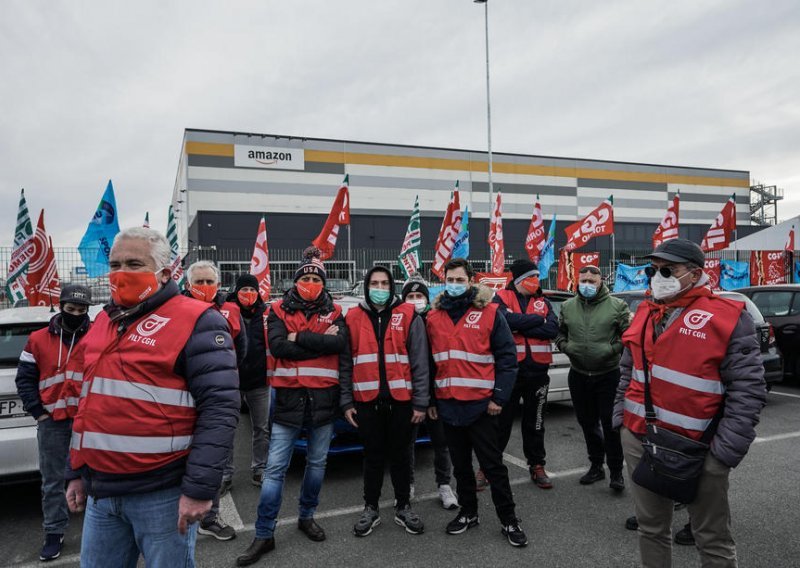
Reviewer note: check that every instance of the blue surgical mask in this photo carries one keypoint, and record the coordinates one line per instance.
(588, 291)
(379, 297)
(455, 289)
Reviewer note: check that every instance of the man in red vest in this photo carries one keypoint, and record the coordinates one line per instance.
(534, 325)
(476, 366)
(157, 415)
(705, 373)
(385, 393)
(307, 337)
(49, 378)
(202, 283)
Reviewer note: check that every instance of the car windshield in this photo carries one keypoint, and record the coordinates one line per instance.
(12, 341)
(776, 303)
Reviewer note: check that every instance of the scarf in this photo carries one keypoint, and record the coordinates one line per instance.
(658, 310)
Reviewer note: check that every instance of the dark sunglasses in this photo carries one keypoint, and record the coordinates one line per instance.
(591, 269)
(666, 271)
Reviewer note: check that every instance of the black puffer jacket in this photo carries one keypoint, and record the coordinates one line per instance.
(294, 406)
(210, 372)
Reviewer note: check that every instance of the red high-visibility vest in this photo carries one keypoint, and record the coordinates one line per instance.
(364, 346)
(60, 371)
(270, 358)
(317, 373)
(684, 361)
(541, 349)
(462, 352)
(136, 414)
(233, 315)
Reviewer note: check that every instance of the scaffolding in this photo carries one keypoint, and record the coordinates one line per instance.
(764, 203)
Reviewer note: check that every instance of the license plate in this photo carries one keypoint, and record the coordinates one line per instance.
(11, 408)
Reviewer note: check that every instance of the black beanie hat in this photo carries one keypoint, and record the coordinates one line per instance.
(415, 284)
(245, 280)
(522, 266)
(311, 264)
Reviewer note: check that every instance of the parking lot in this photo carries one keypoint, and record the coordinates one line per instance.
(570, 525)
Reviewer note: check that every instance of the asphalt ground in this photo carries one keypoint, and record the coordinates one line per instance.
(568, 526)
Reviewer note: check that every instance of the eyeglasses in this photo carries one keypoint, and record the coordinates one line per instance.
(665, 271)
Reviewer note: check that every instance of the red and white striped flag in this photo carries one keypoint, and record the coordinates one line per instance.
(718, 236)
(259, 264)
(44, 287)
(668, 229)
(451, 226)
(496, 243)
(789, 247)
(536, 239)
(339, 215)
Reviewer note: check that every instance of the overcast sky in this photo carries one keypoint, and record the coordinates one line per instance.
(97, 90)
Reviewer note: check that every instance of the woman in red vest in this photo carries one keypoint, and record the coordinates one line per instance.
(705, 373)
(308, 339)
(49, 379)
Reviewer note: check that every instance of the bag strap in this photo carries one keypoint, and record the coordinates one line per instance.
(649, 409)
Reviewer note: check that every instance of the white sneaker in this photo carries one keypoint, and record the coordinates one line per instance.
(448, 498)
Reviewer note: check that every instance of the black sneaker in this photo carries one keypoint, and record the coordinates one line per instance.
(52, 547)
(258, 478)
(369, 519)
(595, 473)
(218, 529)
(514, 533)
(632, 523)
(684, 536)
(462, 522)
(617, 482)
(225, 487)
(409, 520)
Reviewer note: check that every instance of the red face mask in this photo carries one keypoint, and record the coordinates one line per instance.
(530, 284)
(129, 289)
(247, 298)
(204, 292)
(309, 291)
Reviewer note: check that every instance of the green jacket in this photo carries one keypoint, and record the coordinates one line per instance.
(590, 331)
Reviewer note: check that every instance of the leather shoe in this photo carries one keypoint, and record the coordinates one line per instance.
(258, 548)
(595, 473)
(617, 481)
(312, 530)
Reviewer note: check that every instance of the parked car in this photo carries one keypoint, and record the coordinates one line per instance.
(19, 455)
(780, 306)
(773, 362)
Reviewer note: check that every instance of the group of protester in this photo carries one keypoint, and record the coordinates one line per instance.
(137, 411)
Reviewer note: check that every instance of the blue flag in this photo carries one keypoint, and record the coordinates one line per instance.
(630, 278)
(96, 242)
(548, 256)
(461, 244)
(796, 271)
(734, 274)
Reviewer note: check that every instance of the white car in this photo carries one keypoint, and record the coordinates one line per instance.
(19, 456)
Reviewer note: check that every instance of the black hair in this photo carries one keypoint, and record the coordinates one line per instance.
(455, 263)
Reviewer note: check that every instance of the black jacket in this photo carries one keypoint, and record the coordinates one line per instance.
(240, 341)
(295, 407)
(253, 369)
(210, 372)
(531, 326)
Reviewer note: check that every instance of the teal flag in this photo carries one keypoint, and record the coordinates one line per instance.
(548, 256)
(461, 244)
(95, 246)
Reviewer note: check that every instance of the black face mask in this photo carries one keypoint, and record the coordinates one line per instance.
(72, 322)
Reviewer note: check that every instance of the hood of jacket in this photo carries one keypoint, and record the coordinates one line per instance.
(482, 296)
(366, 301)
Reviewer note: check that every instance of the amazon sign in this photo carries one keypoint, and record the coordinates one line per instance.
(268, 157)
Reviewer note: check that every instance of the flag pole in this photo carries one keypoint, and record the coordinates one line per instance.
(613, 252)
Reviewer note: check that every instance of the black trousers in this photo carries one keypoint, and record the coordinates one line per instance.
(386, 430)
(533, 392)
(593, 400)
(482, 437)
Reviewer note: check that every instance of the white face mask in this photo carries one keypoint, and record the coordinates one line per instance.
(419, 305)
(666, 288)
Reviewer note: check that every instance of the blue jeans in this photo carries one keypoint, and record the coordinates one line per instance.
(117, 529)
(281, 446)
(53, 437)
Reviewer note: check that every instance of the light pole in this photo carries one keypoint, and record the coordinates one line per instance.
(488, 113)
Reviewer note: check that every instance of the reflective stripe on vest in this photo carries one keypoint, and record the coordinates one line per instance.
(463, 356)
(464, 382)
(367, 353)
(62, 404)
(60, 375)
(130, 444)
(305, 371)
(685, 382)
(137, 391)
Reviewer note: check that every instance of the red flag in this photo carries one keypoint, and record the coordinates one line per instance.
(339, 215)
(259, 264)
(718, 236)
(668, 229)
(496, 282)
(596, 224)
(570, 265)
(768, 267)
(496, 237)
(451, 226)
(713, 269)
(44, 287)
(536, 239)
(789, 247)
